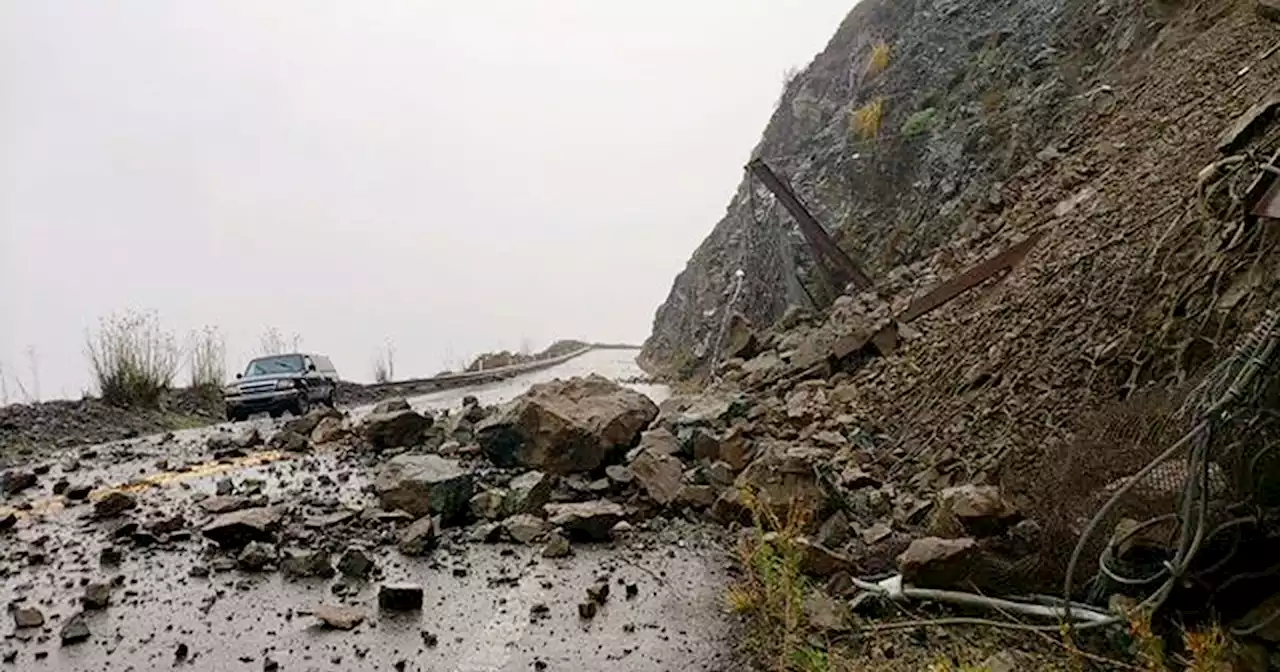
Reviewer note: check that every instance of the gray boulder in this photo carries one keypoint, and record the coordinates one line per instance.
(566, 426)
(424, 484)
(395, 429)
(591, 521)
(235, 529)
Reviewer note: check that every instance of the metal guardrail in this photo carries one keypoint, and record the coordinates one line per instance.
(464, 378)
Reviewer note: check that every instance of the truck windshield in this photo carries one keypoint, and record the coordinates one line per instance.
(267, 366)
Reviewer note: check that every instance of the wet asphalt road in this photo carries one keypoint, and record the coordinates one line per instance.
(479, 598)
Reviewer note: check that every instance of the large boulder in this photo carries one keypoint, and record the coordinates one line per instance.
(424, 485)
(396, 428)
(566, 426)
(306, 424)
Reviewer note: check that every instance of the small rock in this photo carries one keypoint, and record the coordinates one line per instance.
(355, 563)
(599, 593)
(8, 518)
(619, 474)
(27, 617)
(528, 493)
(235, 529)
(489, 504)
(16, 480)
(75, 630)
(933, 562)
(587, 610)
(289, 442)
(696, 496)
(109, 556)
(224, 503)
(10, 655)
(835, 531)
(96, 596)
(306, 563)
(256, 556)
(632, 590)
(590, 521)
(180, 655)
(557, 546)
(419, 538)
(400, 597)
(78, 492)
(61, 486)
(113, 504)
(224, 487)
(339, 618)
(328, 430)
(525, 528)
(269, 665)
(1008, 661)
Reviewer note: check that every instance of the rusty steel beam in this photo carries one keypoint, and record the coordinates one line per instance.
(839, 266)
(969, 279)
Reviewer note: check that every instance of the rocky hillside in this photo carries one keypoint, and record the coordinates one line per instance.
(902, 137)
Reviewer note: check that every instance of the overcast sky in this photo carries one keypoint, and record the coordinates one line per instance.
(453, 176)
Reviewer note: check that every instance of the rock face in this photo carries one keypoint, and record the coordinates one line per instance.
(930, 156)
(565, 426)
(424, 484)
(395, 428)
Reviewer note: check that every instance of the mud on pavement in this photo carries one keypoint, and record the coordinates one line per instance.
(259, 547)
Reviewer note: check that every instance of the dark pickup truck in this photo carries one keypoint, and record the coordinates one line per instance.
(274, 384)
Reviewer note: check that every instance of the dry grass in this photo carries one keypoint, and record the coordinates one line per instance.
(132, 359)
(879, 60)
(272, 342)
(384, 364)
(207, 359)
(865, 122)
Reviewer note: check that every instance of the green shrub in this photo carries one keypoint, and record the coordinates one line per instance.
(132, 359)
(920, 122)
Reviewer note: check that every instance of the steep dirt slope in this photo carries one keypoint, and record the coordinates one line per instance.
(972, 92)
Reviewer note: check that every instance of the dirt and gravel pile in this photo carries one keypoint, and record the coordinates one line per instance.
(37, 427)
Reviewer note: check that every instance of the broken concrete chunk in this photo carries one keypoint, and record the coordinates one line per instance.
(400, 597)
(425, 484)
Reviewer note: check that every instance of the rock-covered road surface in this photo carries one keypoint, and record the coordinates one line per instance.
(152, 594)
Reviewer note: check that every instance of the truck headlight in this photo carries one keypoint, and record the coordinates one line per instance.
(284, 384)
